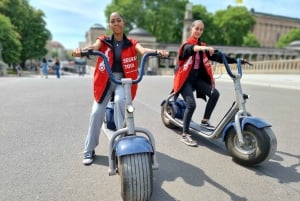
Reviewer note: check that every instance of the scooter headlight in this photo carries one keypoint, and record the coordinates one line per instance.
(246, 96)
(130, 108)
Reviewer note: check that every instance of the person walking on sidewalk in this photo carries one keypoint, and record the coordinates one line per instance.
(45, 68)
(57, 67)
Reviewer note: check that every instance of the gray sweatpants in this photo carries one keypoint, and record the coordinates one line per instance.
(98, 113)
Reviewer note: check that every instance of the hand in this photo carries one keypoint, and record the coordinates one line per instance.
(163, 53)
(244, 61)
(211, 50)
(76, 52)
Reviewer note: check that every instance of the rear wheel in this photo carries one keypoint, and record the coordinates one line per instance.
(165, 119)
(136, 176)
(260, 145)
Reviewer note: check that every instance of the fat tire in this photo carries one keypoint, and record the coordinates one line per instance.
(264, 145)
(164, 119)
(136, 176)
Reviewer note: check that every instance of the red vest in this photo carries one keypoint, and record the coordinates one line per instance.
(185, 66)
(129, 64)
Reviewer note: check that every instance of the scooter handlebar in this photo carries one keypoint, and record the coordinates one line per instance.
(89, 52)
(227, 67)
(239, 63)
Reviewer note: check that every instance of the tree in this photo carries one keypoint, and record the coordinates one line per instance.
(54, 54)
(30, 26)
(157, 17)
(10, 41)
(292, 35)
(233, 24)
(35, 36)
(250, 40)
(129, 10)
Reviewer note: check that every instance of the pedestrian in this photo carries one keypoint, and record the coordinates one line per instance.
(19, 70)
(45, 68)
(57, 67)
(194, 73)
(120, 50)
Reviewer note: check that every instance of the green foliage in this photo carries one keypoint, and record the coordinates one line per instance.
(164, 20)
(30, 26)
(233, 24)
(156, 17)
(9, 39)
(36, 36)
(54, 54)
(290, 36)
(250, 40)
(129, 9)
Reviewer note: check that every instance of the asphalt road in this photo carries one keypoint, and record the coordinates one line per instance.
(43, 124)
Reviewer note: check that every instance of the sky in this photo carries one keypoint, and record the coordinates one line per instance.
(68, 21)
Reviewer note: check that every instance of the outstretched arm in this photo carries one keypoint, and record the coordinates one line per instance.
(142, 50)
(218, 57)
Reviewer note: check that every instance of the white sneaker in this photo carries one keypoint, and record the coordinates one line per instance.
(88, 159)
(186, 139)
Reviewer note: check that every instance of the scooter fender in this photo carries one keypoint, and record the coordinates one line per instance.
(133, 145)
(257, 122)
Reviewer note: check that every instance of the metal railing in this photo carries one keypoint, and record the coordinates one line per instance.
(263, 67)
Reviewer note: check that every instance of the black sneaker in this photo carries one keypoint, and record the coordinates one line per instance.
(88, 159)
(207, 125)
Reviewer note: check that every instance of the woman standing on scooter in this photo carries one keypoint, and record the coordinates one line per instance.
(121, 52)
(195, 73)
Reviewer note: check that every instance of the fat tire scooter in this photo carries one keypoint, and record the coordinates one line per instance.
(249, 140)
(132, 156)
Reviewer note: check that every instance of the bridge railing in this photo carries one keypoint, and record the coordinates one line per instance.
(271, 67)
(264, 67)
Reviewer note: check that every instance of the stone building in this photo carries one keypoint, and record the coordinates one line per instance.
(91, 35)
(269, 28)
(55, 48)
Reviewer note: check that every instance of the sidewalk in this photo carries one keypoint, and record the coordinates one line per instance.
(288, 81)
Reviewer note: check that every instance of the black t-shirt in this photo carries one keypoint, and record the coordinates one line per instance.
(117, 64)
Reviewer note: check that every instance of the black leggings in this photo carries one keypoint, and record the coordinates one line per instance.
(187, 94)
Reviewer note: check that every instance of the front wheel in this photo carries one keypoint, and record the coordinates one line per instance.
(260, 145)
(136, 176)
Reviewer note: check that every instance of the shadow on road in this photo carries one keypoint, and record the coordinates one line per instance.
(170, 169)
(101, 160)
(275, 168)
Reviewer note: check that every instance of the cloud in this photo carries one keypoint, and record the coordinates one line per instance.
(69, 20)
(89, 9)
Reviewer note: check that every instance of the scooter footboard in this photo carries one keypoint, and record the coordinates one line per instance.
(257, 122)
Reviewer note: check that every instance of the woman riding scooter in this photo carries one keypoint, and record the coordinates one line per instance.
(122, 55)
(195, 73)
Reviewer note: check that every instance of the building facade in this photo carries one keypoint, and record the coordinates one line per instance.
(269, 28)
